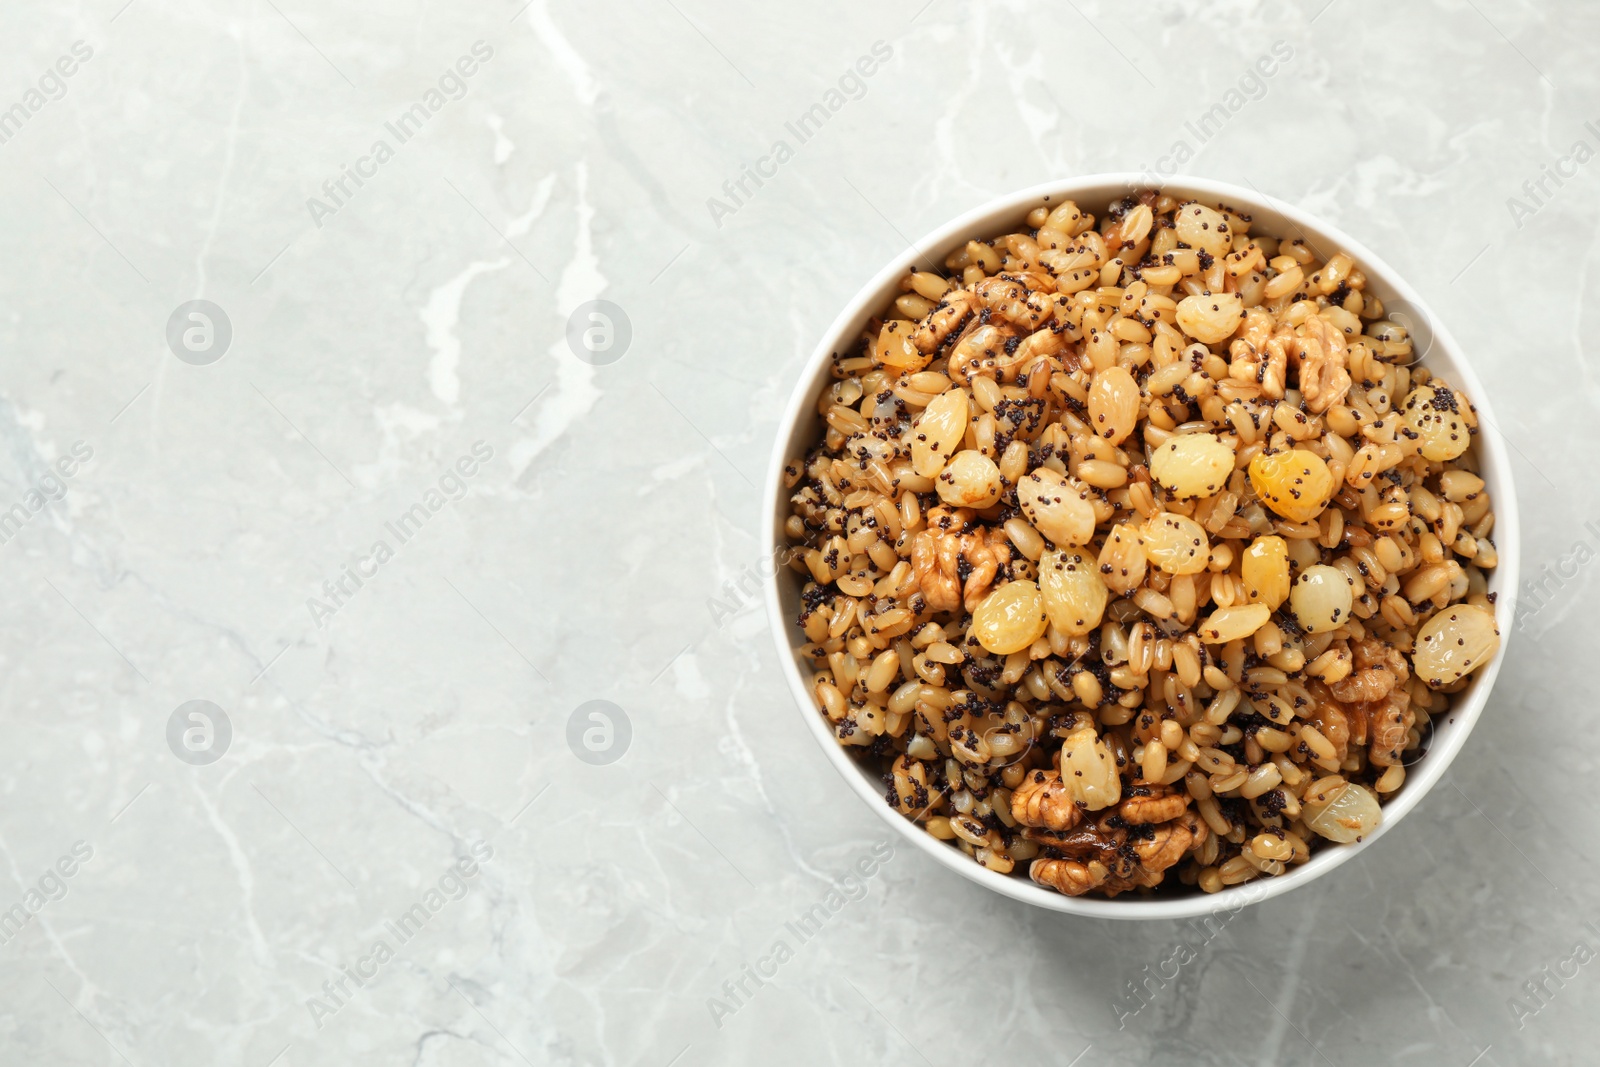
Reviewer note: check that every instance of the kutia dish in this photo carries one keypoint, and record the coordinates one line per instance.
(1133, 549)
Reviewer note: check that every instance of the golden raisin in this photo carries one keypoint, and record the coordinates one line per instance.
(1010, 619)
(1296, 484)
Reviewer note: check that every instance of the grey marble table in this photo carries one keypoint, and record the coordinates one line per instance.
(320, 540)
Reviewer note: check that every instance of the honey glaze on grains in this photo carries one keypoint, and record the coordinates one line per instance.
(1138, 553)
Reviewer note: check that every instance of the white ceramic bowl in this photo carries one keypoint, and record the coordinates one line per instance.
(799, 430)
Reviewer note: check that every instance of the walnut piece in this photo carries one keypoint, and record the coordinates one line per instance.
(1256, 355)
(1113, 855)
(1008, 296)
(1069, 877)
(938, 552)
(1148, 803)
(935, 560)
(955, 306)
(1370, 652)
(1171, 841)
(977, 352)
(1043, 800)
(1317, 346)
(1364, 686)
(985, 550)
(1391, 722)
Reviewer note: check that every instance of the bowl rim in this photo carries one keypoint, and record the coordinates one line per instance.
(1094, 189)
